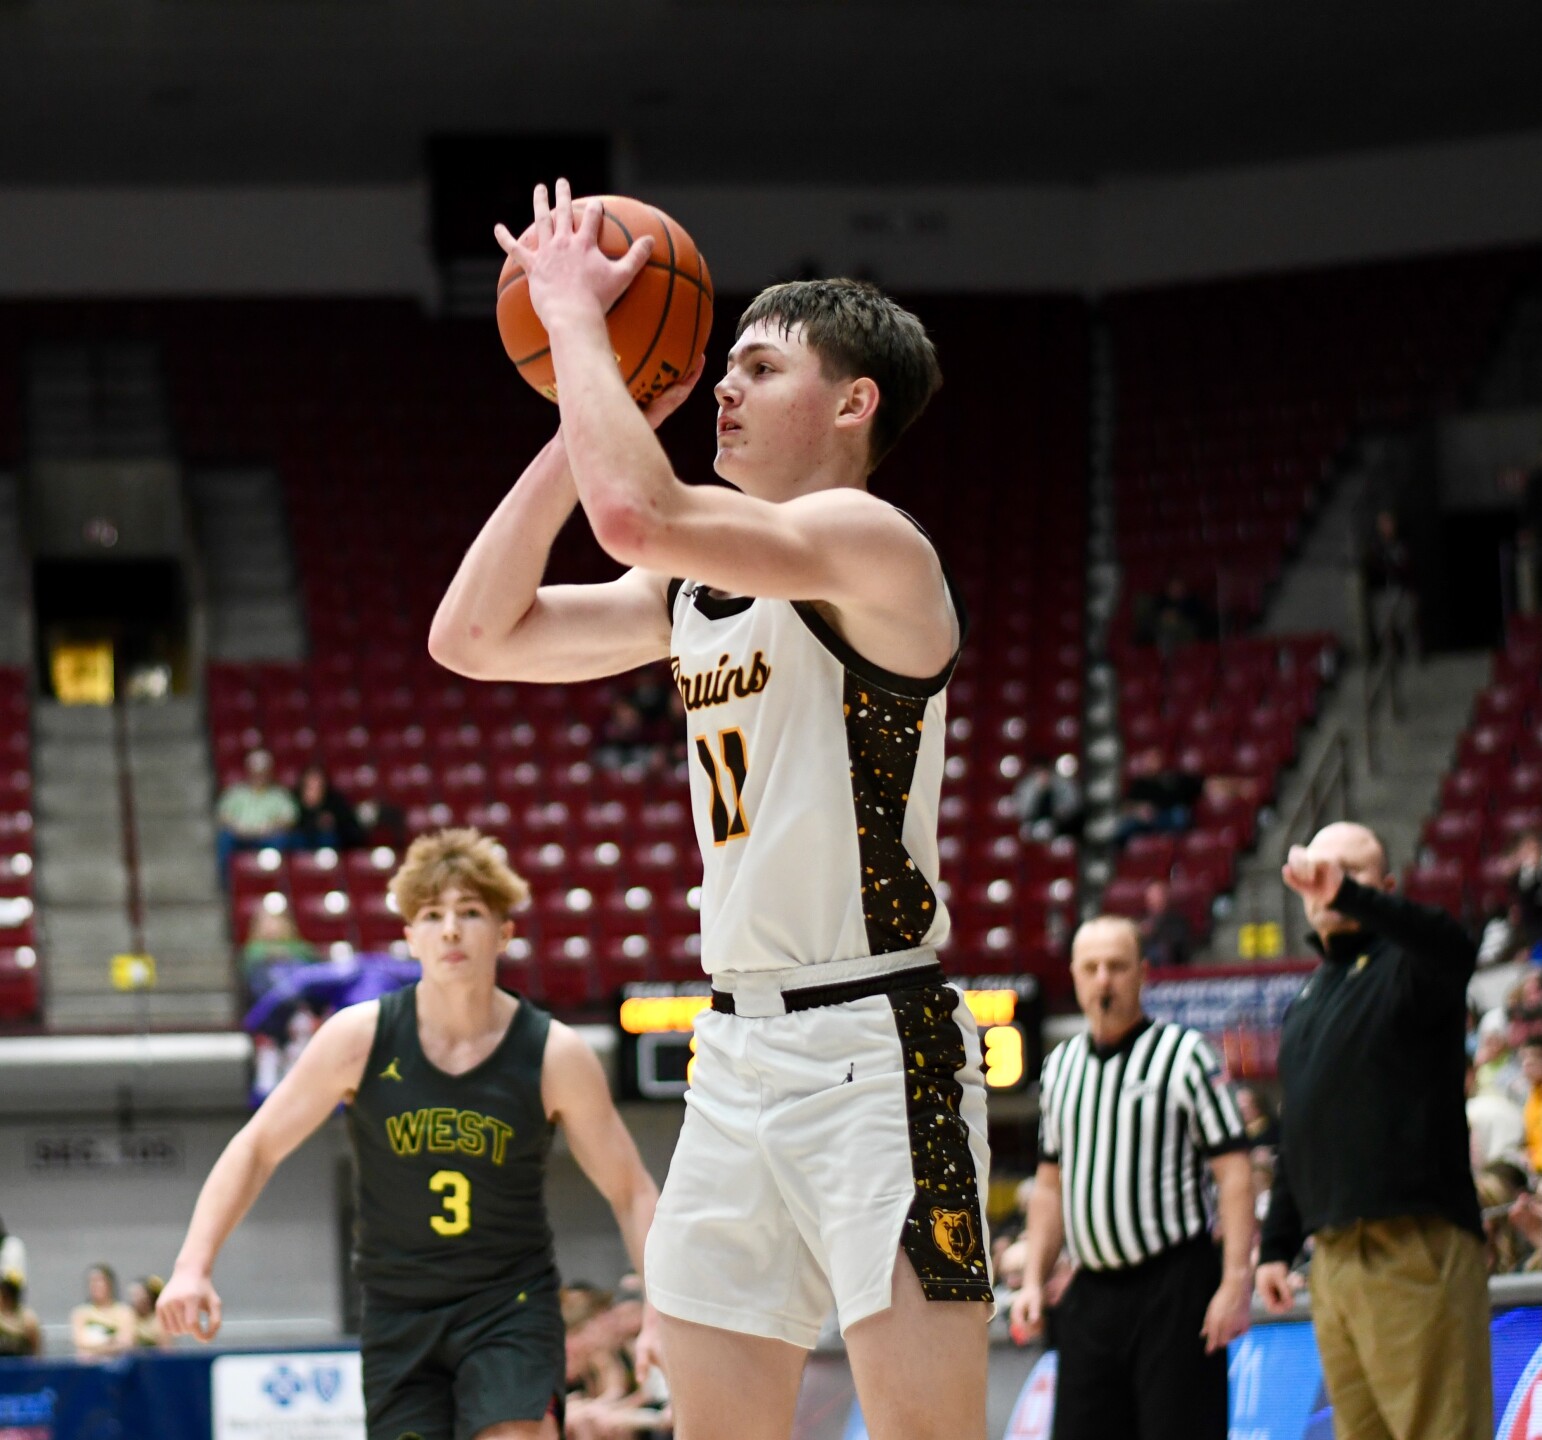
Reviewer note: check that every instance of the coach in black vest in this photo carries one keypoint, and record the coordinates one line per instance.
(1374, 1156)
(1128, 1113)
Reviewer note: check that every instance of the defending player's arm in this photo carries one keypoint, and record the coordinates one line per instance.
(577, 1096)
(326, 1074)
(1044, 1241)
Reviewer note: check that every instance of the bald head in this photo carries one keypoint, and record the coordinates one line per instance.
(1355, 848)
(1105, 932)
(1108, 974)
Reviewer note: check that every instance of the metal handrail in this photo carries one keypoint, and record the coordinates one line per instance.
(1381, 682)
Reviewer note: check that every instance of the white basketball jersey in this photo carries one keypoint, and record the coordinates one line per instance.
(815, 779)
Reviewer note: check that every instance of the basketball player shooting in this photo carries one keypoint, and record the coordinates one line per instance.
(833, 1150)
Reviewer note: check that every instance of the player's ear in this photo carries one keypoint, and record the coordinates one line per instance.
(859, 402)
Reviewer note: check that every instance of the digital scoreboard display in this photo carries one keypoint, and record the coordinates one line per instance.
(657, 1024)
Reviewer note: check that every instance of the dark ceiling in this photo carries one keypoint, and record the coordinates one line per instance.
(707, 91)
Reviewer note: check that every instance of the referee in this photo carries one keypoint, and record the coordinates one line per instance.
(1129, 1113)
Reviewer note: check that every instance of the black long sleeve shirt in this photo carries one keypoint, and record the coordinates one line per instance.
(1372, 1063)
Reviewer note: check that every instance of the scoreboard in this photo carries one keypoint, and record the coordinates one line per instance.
(657, 1033)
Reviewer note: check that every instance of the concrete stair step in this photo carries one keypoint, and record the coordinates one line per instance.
(73, 798)
(53, 721)
(75, 759)
(111, 1010)
(179, 879)
(190, 926)
(180, 719)
(165, 837)
(76, 933)
(186, 796)
(82, 880)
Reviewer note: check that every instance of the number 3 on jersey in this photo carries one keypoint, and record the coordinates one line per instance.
(727, 824)
(457, 1202)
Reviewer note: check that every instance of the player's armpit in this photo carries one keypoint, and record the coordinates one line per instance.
(573, 632)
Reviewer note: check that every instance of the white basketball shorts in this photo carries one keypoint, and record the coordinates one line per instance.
(816, 1144)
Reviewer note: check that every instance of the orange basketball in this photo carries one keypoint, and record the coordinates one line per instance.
(657, 328)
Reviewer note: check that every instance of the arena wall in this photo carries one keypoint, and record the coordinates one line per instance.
(358, 240)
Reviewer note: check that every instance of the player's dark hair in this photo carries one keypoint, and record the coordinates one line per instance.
(857, 330)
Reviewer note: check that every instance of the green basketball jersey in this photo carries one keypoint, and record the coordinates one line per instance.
(450, 1169)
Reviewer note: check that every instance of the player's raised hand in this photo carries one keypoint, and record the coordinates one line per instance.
(189, 1305)
(1312, 877)
(561, 255)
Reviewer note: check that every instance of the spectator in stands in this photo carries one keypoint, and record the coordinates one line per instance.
(20, 1333)
(1165, 937)
(1174, 618)
(1523, 864)
(1048, 799)
(143, 1294)
(271, 940)
(326, 818)
(1158, 798)
(625, 738)
(1531, 1068)
(13, 1257)
(1392, 601)
(1524, 1010)
(1505, 1248)
(1496, 1125)
(1258, 1118)
(1525, 482)
(255, 813)
(104, 1325)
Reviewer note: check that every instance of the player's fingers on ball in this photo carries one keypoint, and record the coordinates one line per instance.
(542, 208)
(637, 256)
(563, 208)
(593, 217)
(505, 238)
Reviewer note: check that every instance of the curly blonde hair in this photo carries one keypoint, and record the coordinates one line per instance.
(465, 858)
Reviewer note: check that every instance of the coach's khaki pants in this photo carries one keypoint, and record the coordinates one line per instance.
(1401, 1313)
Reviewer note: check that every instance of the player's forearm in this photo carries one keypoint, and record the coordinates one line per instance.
(497, 581)
(634, 1216)
(624, 479)
(233, 1184)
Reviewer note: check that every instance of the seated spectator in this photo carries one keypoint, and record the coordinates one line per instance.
(1165, 937)
(254, 813)
(625, 739)
(1524, 863)
(1048, 799)
(1496, 1125)
(1158, 798)
(1505, 1248)
(20, 1333)
(1258, 1118)
(271, 940)
(326, 818)
(104, 1325)
(1531, 1069)
(1173, 618)
(13, 1258)
(143, 1294)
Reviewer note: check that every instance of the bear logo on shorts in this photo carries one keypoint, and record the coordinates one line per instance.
(953, 1234)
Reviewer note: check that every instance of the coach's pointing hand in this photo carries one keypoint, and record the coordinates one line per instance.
(1312, 878)
(189, 1305)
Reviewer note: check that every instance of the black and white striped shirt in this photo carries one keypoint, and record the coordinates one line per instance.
(1131, 1128)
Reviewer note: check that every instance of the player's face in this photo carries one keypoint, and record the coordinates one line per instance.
(776, 414)
(1108, 973)
(457, 934)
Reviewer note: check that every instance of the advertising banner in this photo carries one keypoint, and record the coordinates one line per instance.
(317, 1395)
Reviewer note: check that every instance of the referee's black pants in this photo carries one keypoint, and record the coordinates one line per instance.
(1132, 1360)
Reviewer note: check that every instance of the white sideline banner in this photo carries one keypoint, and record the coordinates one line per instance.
(302, 1395)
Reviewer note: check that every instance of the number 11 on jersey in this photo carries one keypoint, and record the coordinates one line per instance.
(726, 825)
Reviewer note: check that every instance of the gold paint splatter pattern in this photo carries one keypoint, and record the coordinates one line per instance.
(883, 739)
(943, 1235)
